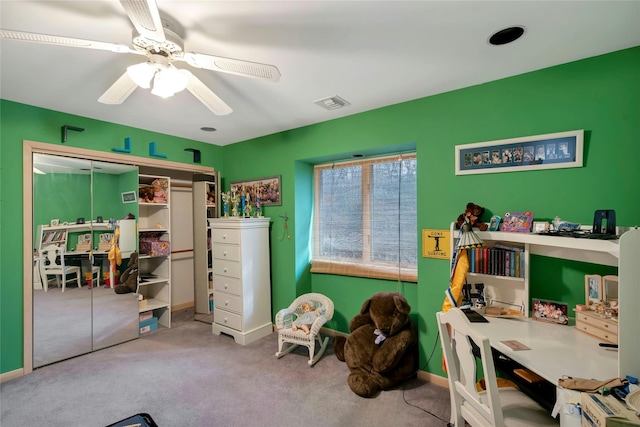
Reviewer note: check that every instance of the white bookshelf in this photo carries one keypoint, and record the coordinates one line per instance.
(154, 269)
(206, 205)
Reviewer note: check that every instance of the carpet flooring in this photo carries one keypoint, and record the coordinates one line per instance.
(186, 376)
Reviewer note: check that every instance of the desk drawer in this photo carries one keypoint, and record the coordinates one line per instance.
(227, 284)
(223, 267)
(230, 320)
(228, 302)
(225, 235)
(228, 252)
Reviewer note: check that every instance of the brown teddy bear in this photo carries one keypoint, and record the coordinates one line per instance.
(382, 350)
(129, 277)
(472, 214)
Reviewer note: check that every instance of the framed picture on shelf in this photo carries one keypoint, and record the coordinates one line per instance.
(592, 289)
(550, 311)
(494, 223)
(610, 288)
(517, 221)
(540, 226)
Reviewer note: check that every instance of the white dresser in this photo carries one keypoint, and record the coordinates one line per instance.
(241, 278)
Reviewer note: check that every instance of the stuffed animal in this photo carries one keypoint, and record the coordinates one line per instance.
(382, 350)
(146, 194)
(129, 277)
(472, 214)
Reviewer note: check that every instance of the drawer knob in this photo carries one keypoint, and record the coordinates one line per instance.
(226, 286)
(606, 326)
(225, 320)
(224, 237)
(226, 302)
(225, 270)
(224, 253)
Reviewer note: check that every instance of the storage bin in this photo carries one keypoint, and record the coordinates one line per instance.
(148, 325)
(153, 246)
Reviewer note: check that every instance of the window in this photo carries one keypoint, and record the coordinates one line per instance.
(365, 219)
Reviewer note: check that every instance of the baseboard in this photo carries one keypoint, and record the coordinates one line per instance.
(182, 306)
(432, 378)
(422, 375)
(11, 375)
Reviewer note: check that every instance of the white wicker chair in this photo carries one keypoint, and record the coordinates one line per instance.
(285, 318)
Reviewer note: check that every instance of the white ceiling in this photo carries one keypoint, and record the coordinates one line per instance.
(371, 53)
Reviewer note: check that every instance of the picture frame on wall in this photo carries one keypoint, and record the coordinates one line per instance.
(129, 197)
(547, 151)
(592, 289)
(268, 189)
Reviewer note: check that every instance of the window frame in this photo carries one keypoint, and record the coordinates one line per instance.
(364, 267)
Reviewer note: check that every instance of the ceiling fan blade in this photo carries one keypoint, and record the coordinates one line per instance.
(145, 16)
(119, 91)
(65, 41)
(205, 95)
(232, 66)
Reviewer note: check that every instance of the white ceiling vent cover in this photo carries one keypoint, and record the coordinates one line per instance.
(332, 103)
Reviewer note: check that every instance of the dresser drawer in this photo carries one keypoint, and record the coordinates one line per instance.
(608, 336)
(223, 267)
(231, 285)
(228, 252)
(597, 321)
(225, 235)
(225, 318)
(226, 301)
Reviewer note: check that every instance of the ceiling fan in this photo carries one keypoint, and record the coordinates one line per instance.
(157, 39)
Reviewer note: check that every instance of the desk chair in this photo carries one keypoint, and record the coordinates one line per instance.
(95, 276)
(52, 264)
(498, 407)
(286, 334)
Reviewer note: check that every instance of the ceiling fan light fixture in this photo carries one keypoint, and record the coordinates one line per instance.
(141, 74)
(169, 81)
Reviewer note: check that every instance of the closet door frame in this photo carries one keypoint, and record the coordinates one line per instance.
(28, 149)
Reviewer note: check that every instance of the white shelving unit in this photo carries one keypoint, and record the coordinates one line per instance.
(623, 253)
(154, 269)
(206, 205)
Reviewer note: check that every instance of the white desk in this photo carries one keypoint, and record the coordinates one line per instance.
(556, 350)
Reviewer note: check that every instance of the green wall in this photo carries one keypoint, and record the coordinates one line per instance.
(20, 122)
(600, 95)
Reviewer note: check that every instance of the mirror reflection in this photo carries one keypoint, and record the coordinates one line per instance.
(80, 217)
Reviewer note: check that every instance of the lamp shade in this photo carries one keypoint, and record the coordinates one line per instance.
(169, 81)
(468, 238)
(141, 74)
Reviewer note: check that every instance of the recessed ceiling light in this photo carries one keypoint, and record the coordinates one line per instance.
(208, 129)
(507, 35)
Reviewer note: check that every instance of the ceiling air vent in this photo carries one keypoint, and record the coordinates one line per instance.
(332, 103)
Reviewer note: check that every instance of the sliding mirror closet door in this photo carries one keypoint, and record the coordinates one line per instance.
(115, 315)
(61, 304)
(78, 211)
